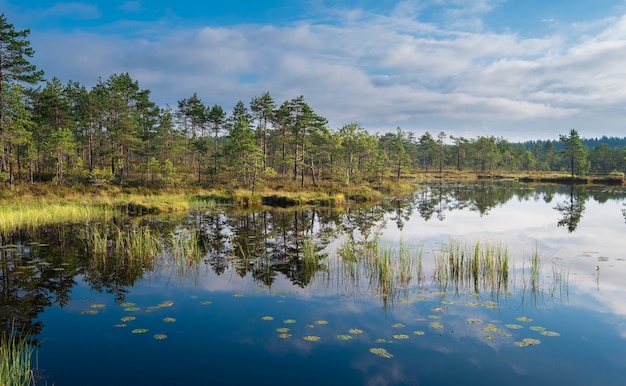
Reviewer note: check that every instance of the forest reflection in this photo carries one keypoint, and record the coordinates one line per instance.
(39, 267)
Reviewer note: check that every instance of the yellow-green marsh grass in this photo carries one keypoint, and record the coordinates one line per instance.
(31, 216)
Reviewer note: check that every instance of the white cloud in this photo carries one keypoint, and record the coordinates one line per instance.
(73, 10)
(383, 71)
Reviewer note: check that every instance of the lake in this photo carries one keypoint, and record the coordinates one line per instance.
(485, 284)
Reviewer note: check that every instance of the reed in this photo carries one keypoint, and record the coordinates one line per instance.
(481, 267)
(535, 270)
(184, 246)
(310, 257)
(16, 359)
(138, 245)
(348, 252)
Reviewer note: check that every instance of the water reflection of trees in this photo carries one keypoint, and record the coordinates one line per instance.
(38, 267)
(440, 197)
(37, 270)
(572, 208)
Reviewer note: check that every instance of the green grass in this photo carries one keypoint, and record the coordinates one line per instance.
(15, 217)
(16, 356)
(478, 267)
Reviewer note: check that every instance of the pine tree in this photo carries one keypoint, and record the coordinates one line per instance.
(14, 67)
(574, 152)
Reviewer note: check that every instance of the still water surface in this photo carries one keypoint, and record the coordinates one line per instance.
(252, 311)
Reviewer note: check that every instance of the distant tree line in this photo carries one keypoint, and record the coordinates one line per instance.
(113, 133)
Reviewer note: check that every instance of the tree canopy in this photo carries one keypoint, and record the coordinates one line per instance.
(113, 133)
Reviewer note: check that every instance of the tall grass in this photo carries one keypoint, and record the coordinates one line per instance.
(16, 356)
(481, 267)
(390, 270)
(16, 217)
(185, 245)
(138, 244)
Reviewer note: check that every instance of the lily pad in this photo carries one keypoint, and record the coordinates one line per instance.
(206, 302)
(525, 319)
(490, 327)
(447, 302)
(237, 295)
(506, 334)
(397, 325)
(309, 326)
(267, 318)
(549, 333)
(282, 330)
(513, 326)
(380, 340)
(400, 336)
(159, 336)
(284, 335)
(472, 304)
(355, 331)
(128, 318)
(438, 309)
(536, 328)
(321, 322)
(127, 304)
(99, 305)
(311, 338)
(489, 337)
(381, 352)
(344, 337)
(89, 312)
(473, 321)
(527, 342)
(491, 305)
(140, 330)
(167, 303)
(436, 325)
(169, 320)
(289, 321)
(119, 325)
(419, 332)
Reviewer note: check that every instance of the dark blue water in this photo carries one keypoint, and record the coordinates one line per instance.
(219, 335)
(227, 342)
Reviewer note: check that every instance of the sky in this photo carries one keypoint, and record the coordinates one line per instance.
(516, 69)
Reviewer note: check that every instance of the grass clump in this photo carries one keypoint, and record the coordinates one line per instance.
(15, 359)
(476, 268)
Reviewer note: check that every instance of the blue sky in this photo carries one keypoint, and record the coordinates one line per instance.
(520, 69)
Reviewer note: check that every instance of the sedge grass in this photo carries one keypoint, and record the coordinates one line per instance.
(481, 267)
(16, 355)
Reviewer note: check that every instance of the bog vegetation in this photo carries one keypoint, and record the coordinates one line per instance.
(114, 134)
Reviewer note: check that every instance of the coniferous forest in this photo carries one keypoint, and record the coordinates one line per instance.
(113, 133)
